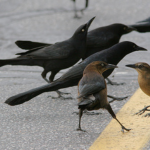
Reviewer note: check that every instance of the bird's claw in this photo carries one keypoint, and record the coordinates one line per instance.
(116, 98)
(61, 97)
(79, 129)
(123, 128)
(142, 111)
(61, 93)
(92, 113)
(147, 115)
(77, 17)
(87, 113)
(113, 83)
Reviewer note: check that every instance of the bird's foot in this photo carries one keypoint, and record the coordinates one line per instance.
(77, 17)
(147, 115)
(142, 111)
(60, 95)
(79, 129)
(123, 128)
(92, 113)
(87, 113)
(82, 11)
(113, 83)
(116, 98)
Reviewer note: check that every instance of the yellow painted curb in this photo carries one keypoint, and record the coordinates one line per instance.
(113, 139)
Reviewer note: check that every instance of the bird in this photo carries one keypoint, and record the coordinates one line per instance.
(143, 70)
(55, 57)
(97, 40)
(93, 84)
(81, 10)
(142, 27)
(145, 20)
(112, 55)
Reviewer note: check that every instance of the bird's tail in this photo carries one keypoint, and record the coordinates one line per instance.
(84, 103)
(14, 61)
(28, 95)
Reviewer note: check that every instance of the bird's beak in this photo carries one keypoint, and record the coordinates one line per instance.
(110, 66)
(131, 66)
(89, 22)
(138, 48)
(130, 28)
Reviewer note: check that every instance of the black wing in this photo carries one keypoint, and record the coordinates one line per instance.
(28, 45)
(56, 51)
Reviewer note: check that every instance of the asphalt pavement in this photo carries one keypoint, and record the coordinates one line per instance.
(50, 124)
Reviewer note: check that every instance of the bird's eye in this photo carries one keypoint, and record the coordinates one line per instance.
(82, 30)
(102, 65)
(134, 46)
(140, 66)
(124, 28)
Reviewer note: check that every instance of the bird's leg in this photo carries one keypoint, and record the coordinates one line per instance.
(51, 78)
(80, 115)
(143, 110)
(113, 83)
(108, 107)
(116, 98)
(44, 75)
(86, 5)
(123, 127)
(75, 10)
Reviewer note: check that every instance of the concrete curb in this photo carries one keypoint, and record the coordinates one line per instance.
(113, 139)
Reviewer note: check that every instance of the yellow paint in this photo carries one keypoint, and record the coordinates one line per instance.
(113, 139)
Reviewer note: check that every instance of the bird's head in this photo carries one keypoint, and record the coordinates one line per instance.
(101, 66)
(122, 29)
(128, 47)
(81, 32)
(140, 67)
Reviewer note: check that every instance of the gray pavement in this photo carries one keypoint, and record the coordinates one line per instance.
(44, 123)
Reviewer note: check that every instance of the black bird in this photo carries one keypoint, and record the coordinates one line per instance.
(141, 27)
(55, 57)
(97, 40)
(71, 78)
(86, 5)
(93, 84)
(145, 20)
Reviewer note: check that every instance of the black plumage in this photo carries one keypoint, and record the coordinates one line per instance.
(71, 78)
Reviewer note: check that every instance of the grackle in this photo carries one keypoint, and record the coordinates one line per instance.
(55, 57)
(71, 78)
(97, 40)
(93, 84)
(143, 70)
(145, 20)
(141, 27)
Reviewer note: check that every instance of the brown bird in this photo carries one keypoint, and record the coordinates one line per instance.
(93, 85)
(143, 70)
